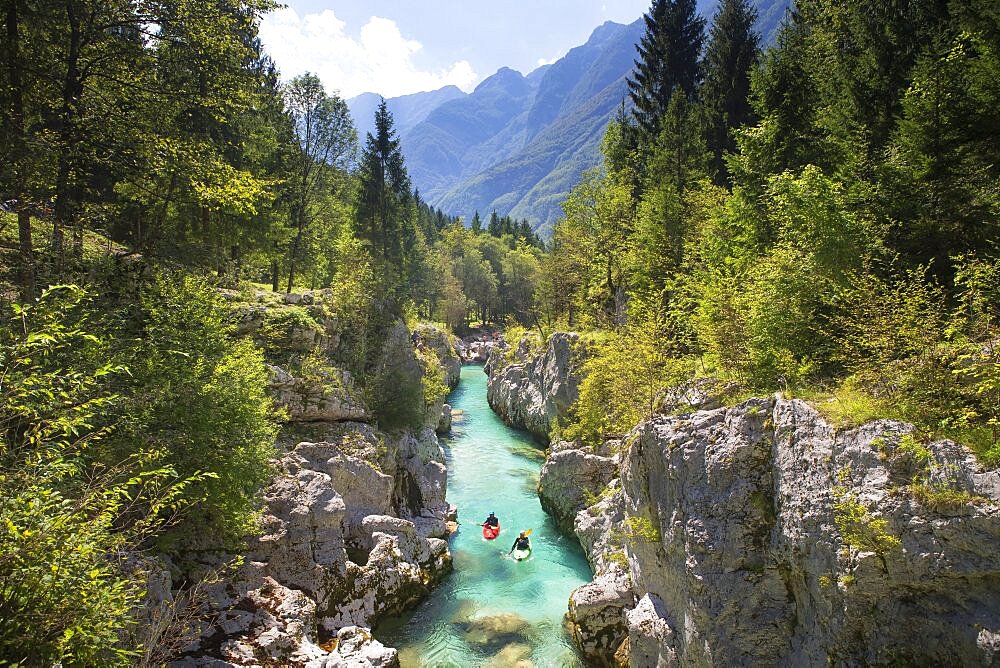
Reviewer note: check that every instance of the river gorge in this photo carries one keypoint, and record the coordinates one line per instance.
(493, 610)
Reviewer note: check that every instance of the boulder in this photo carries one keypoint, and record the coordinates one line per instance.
(354, 647)
(569, 478)
(739, 519)
(597, 615)
(445, 347)
(444, 425)
(533, 391)
(330, 397)
(333, 553)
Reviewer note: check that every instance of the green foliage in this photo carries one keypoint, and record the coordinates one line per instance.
(623, 377)
(642, 528)
(860, 530)
(276, 332)
(198, 398)
(731, 54)
(433, 387)
(943, 498)
(668, 61)
(68, 523)
(395, 386)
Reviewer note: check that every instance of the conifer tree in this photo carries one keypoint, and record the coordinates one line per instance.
(494, 225)
(384, 195)
(732, 52)
(477, 223)
(668, 60)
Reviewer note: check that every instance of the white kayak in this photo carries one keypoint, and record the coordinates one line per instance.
(521, 555)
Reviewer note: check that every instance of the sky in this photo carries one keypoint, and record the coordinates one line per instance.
(397, 47)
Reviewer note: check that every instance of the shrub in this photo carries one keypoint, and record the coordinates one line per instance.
(199, 398)
(623, 379)
(67, 523)
(859, 529)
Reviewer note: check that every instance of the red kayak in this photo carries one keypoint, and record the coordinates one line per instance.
(489, 533)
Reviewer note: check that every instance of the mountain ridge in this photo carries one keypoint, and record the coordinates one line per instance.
(518, 143)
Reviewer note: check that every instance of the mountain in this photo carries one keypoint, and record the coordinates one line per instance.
(518, 144)
(407, 110)
(557, 136)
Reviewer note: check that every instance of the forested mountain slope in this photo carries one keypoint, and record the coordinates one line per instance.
(517, 144)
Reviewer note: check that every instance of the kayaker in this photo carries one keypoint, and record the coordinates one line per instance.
(521, 542)
(491, 521)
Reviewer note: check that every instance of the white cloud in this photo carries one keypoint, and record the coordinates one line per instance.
(380, 60)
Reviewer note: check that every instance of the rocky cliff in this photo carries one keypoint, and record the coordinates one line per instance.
(758, 534)
(353, 523)
(532, 389)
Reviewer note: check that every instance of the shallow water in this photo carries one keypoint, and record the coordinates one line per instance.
(492, 610)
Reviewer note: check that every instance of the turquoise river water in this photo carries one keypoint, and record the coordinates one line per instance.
(492, 610)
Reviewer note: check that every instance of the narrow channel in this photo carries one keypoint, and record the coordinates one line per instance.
(492, 610)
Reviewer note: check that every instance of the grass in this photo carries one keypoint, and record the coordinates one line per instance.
(847, 406)
(941, 498)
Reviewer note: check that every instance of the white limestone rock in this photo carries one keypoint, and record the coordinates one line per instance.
(533, 391)
(727, 521)
(569, 477)
(332, 397)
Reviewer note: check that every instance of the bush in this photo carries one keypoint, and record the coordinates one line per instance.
(199, 398)
(623, 380)
(67, 523)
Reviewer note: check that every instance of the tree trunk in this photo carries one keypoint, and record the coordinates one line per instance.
(71, 93)
(27, 259)
(15, 119)
(295, 251)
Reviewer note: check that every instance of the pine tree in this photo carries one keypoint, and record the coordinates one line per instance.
(668, 60)
(384, 192)
(732, 52)
(477, 223)
(494, 226)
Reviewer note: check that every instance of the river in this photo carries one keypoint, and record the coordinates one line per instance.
(492, 610)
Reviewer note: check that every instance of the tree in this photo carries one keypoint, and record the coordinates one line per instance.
(668, 61)
(477, 224)
(494, 227)
(383, 204)
(943, 166)
(327, 142)
(732, 53)
(676, 161)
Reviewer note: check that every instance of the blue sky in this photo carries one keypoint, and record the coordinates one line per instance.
(395, 47)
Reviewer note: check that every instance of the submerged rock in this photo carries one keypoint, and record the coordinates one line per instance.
(514, 655)
(492, 632)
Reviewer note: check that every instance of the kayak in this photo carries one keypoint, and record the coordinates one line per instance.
(489, 533)
(521, 555)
